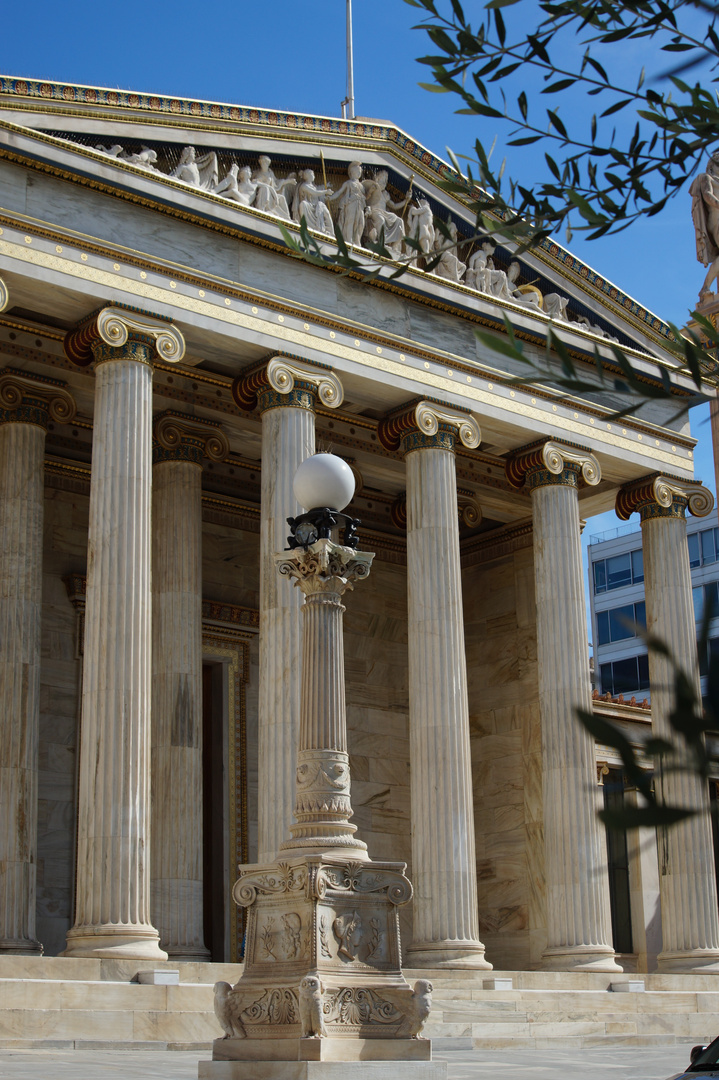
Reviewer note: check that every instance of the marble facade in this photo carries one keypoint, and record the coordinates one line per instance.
(174, 368)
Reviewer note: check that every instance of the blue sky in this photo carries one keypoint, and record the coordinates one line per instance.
(281, 54)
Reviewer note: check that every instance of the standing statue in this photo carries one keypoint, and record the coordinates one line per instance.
(308, 203)
(705, 215)
(421, 228)
(273, 195)
(242, 189)
(199, 172)
(380, 216)
(494, 280)
(449, 266)
(351, 205)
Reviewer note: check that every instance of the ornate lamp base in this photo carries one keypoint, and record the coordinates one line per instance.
(322, 980)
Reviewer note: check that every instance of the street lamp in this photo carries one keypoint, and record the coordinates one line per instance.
(323, 980)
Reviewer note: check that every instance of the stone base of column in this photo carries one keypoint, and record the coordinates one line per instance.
(702, 961)
(580, 958)
(20, 947)
(199, 955)
(447, 954)
(112, 941)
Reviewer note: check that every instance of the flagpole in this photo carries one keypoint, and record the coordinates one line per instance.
(350, 99)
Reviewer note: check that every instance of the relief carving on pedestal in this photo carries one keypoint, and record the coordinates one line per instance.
(348, 931)
(280, 879)
(277, 1006)
(311, 1008)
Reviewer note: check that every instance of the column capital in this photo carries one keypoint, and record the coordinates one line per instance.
(33, 399)
(177, 437)
(4, 295)
(115, 325)
(660, 495)
(325, 568)
(426, 423)
(284, 381)
(551, 461)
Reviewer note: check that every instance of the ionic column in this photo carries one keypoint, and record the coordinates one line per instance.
(690, 924)
(180, 444)
(26, 404)
(446, 926)
(112, 913)
(285, 390)
(579, 935)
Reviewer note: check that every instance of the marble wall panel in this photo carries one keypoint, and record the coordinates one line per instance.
(506, 756)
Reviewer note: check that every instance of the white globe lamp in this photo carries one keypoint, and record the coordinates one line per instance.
(324, 480)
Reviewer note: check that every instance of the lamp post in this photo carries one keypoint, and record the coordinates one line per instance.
(322, 980)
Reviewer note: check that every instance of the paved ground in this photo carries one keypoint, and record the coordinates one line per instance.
(598, 1063)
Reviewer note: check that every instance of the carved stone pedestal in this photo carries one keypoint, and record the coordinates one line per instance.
(322, 993)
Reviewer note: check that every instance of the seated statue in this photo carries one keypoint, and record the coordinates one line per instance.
(242, 189)
(309, 204)
(556, 306)
(449, 266)
(379, 215)
(273, 195)
(527, 295)
(199, 172)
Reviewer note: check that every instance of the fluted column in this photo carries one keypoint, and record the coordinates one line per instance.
(322, 806)
(25, 406)
(687, 885)
(112, 912)
(446, 924)
(579, 935)
(180, 444)
(286, 391)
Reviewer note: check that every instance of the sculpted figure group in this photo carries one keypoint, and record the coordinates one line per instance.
(364, 212)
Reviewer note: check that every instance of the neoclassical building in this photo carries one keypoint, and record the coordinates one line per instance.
(166, 364)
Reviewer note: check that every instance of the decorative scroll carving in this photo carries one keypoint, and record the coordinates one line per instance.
(4, 295)
(364, 878)
(280, 879)
(663, 496)
(359, 1006)
(114, 324)
(325, 567)
(282, 374)
(32, 398)
(174, 432)
(470, 512)
(278, 1005)
(552, 457)
(425, 418)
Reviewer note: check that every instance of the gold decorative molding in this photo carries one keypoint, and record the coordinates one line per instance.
(663, 496)
(428, 422)
(4, 295)
(114, 324)
(552, 457)
(31, 399)
(283, 380)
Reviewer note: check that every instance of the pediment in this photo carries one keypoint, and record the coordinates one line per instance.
(140, 147)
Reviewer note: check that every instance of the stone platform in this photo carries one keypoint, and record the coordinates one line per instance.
(65, 1003)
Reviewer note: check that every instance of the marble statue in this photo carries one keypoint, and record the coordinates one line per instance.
(476, 266)
(351, 204)
(380, 215)
(237, 185)
(111, 151)
(582, 320)
(199, 172)
(273, 195)
(449, 265)
(528, 295)
(421, 228)
(416, 1009)
(309, 204)
(225, 1012)
(556, 306)
(310, 1006)
(494, 280)
(705, 215)
(146, 159)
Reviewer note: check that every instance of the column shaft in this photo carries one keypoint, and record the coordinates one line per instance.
(446, 928)
(177, 908)
(22, 452)
(577, 886)
(690, 925)
(288, 437)
(112, 905)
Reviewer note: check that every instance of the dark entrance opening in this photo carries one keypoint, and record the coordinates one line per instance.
(618, 859)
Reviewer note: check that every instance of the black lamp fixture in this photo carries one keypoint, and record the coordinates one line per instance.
(325, 484)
